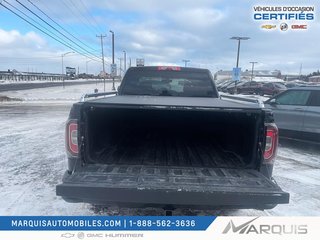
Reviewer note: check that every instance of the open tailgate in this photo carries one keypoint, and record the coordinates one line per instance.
(171, 186)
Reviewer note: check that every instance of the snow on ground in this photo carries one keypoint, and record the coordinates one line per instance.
(33, 160)
(59, 94)
(44, 81)
(268, 79)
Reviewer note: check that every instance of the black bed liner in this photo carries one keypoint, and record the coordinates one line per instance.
(170, 152)
(174, 186)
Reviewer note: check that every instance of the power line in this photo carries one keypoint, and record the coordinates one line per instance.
(30, 18)
(85, 6)
(84, 16)
(54, 28)
(74, 14)
(63, 43)
(39, 25)
(61, 26)
(58, 17)
(78, 14)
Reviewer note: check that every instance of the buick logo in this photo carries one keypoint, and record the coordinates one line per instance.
(80, 235)
(283, 27)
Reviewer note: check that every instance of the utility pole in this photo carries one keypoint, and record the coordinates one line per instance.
(252, 69)
(103, 69)
(87, 65)
(300, 71)
(113, 87)
(185, 62)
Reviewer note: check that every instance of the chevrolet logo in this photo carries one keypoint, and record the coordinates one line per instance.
(268, 26)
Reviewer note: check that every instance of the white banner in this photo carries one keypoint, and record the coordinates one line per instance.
(274, 228)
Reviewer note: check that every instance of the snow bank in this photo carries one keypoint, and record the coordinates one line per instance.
(57, 94)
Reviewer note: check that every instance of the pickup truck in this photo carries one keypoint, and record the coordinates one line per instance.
(166, 139)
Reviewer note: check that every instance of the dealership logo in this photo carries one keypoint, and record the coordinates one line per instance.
(284, 27)
(297, 26)
(268, 26)
(280, 229)
(288, 13)
(241, 228)
(80, 235)
(67, 235)
(287, 17)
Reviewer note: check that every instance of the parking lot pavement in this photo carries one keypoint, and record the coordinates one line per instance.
(33, 160)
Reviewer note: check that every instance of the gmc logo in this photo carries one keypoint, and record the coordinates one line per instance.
(299, 26)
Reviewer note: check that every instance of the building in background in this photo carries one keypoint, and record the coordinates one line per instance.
(315, 79)
(246, 75)
(16, 76)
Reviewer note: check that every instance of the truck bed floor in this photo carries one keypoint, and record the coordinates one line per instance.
(169, 152)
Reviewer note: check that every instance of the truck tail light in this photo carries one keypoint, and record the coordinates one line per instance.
(271, 147)
(171, 68)
(72, 137)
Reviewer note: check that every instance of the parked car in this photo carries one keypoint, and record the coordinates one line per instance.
(291, 85)
(220, 83)
(295, 84)
(222, 86)
(249, 87)
(271, 89)
(297, 113)
(232, 87)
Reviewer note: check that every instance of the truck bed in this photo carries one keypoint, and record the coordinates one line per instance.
(158, 151)
(165, 137)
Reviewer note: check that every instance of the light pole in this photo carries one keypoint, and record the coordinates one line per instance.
(62, 72)
(87, 66)
(239, 39)
(238, 53)
(120, 67)
(185, 62)
(252, 69)
(113, 87)
(125, 61)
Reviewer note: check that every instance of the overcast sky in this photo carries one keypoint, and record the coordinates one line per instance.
(161, 32)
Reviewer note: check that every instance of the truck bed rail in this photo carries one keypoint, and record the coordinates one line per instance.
(242, 99)
(95, 95)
